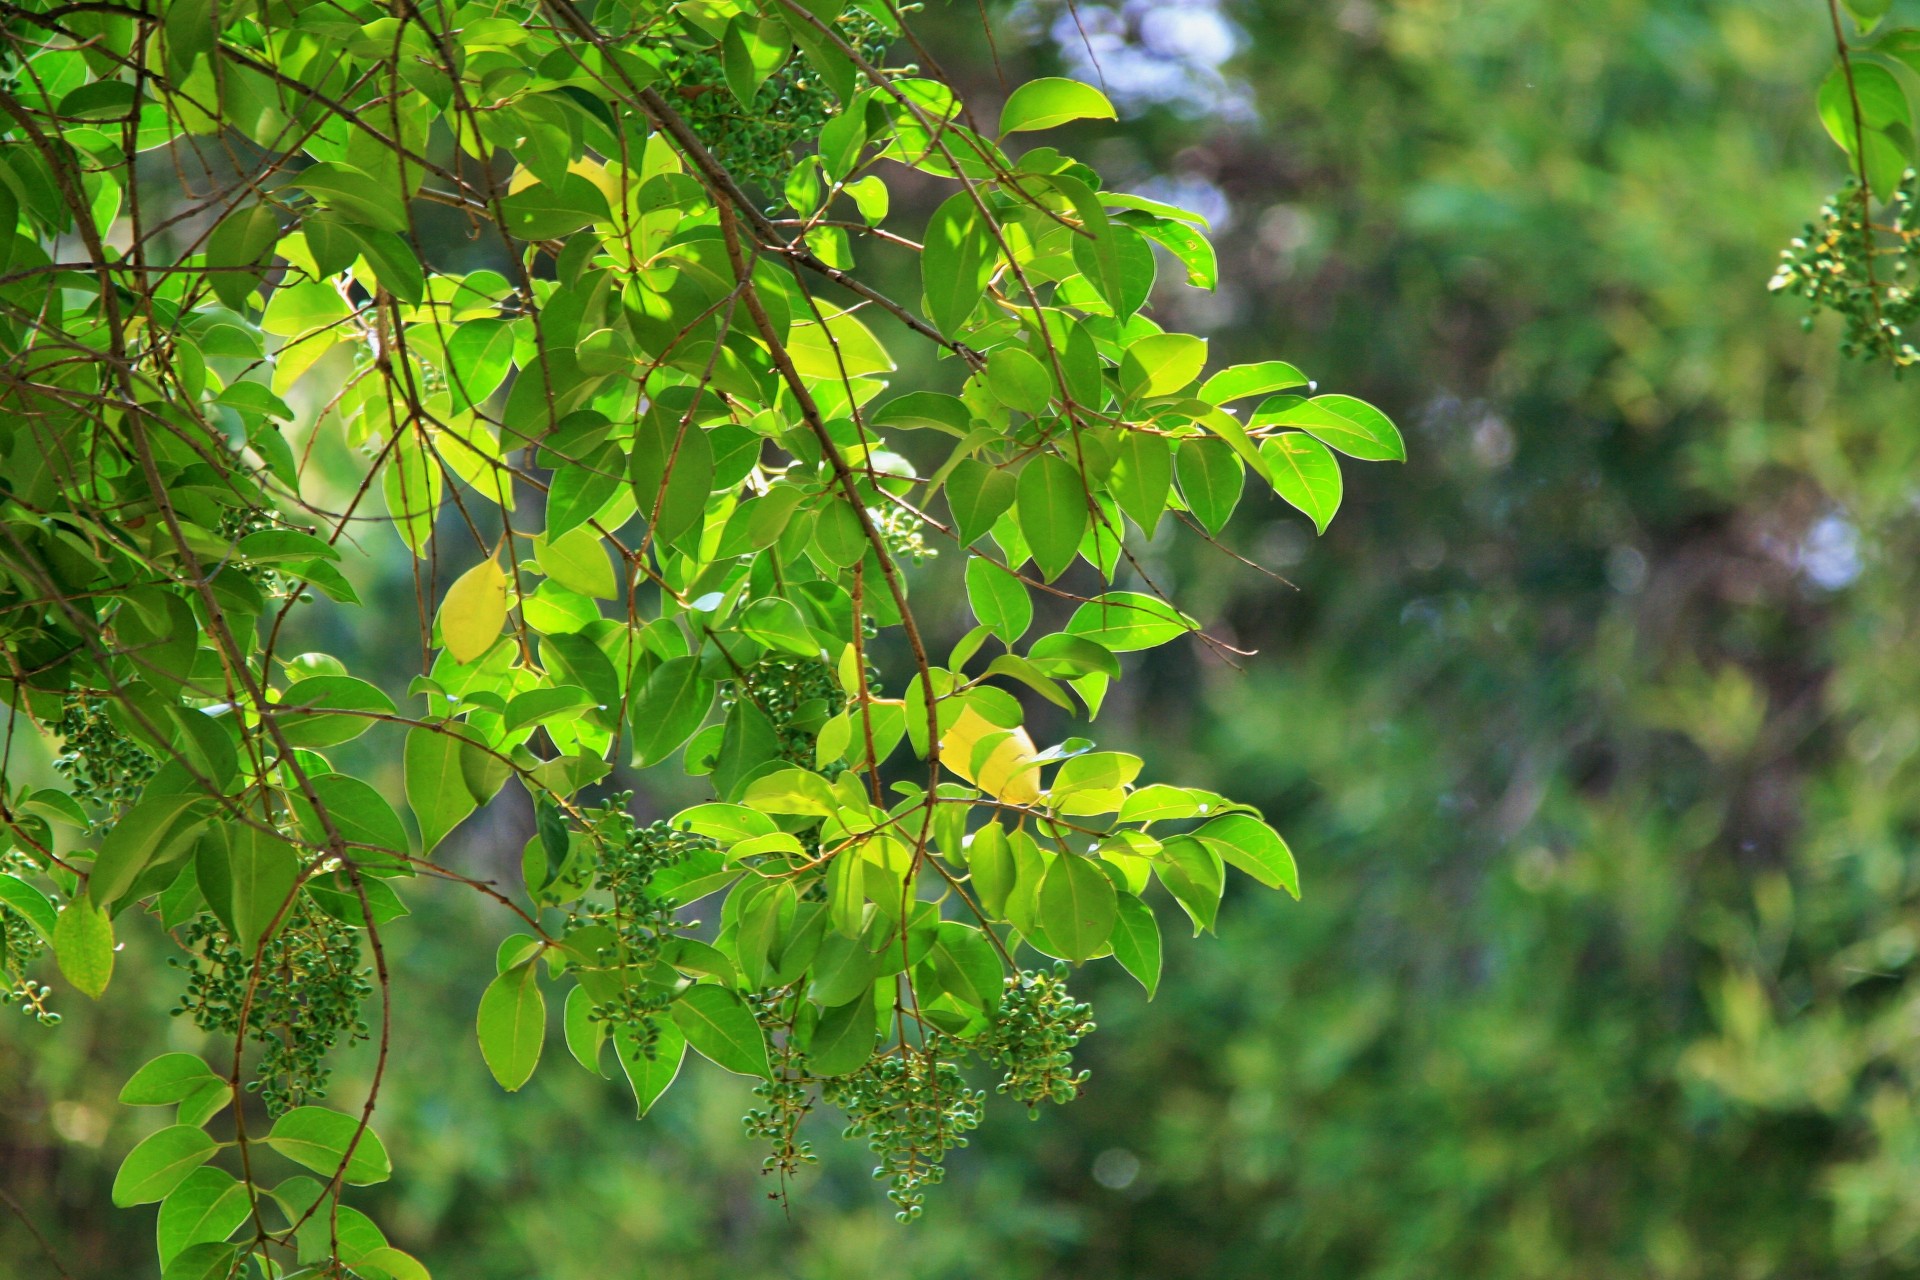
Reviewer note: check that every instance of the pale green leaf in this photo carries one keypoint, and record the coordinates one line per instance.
(1050, 101)
(513, 1024)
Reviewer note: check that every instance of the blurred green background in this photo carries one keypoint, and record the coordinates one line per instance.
(1594, 728)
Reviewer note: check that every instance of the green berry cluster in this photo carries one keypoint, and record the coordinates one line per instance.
(787, 1098)
(20, 946)
(310, 990)
(1859, 270)
(104, 765)
(798, 695)
(756, 144)
(629, 857)
(237, 524)
(902, 532)
(913, 1106)
(1032, 1037)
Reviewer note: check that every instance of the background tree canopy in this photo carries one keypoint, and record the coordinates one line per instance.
(1593, 728)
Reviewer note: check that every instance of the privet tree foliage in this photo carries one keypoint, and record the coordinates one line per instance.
(662, 506)
(1859, 258)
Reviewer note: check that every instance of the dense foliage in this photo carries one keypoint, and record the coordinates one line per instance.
(1598, 722)
(564, 310)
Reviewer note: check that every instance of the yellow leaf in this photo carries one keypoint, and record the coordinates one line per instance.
(1002, 774)
(473, 612)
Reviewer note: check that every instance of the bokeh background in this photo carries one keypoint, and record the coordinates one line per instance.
(1594, 727)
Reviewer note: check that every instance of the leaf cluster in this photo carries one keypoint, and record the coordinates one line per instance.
(649, 420)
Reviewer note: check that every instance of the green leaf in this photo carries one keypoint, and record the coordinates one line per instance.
(586, 1035)
(546, 211)
(83, 946)
(318, 1138)
(649, 1077)
(838, 534)
(237, 247)
(1096, 770)
(1242, 380)
(978, 495)
(957, 262)
(473, 611)
(1161, 364)
(168, 1079)
(1078, 906)
(436, 782)
(1305, 474)
(297, 309)
(580, 489)
(326, 710)
(1141, 478)
(1350, 425)
(356, 194)
(1136, 942)
(999, 599)
(395, 266)
(990, 863)
(1211, 478)
(204, 1209)
(967, 966)
(205, 1103)
(676, 699)
(1158, 802)
(721, 1029)
(1019, 381)
(1254, 847)
(777, 623)
(413, 487)
(1883, 104)
(1050, 101)
(841, 139)
(1052, 506)
(924, 409)
(284, 546)
(478, 356)
(843, 968)
(537, 706)
(203, 1262)
(748, 741)
(1868, 12)
(751, 51)
(672, 473)
(263, 870)
(152, 829)
(160, 1163)
(190, 33)
(845, 1038)
(33, 904)
(389, 1263)
(328, 240)
(359, 813)
(578, 561)
(871, 196)
(1116, 260)
(513, 1024)
(1190, 247)
(1192, 873)
(1123, 621)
